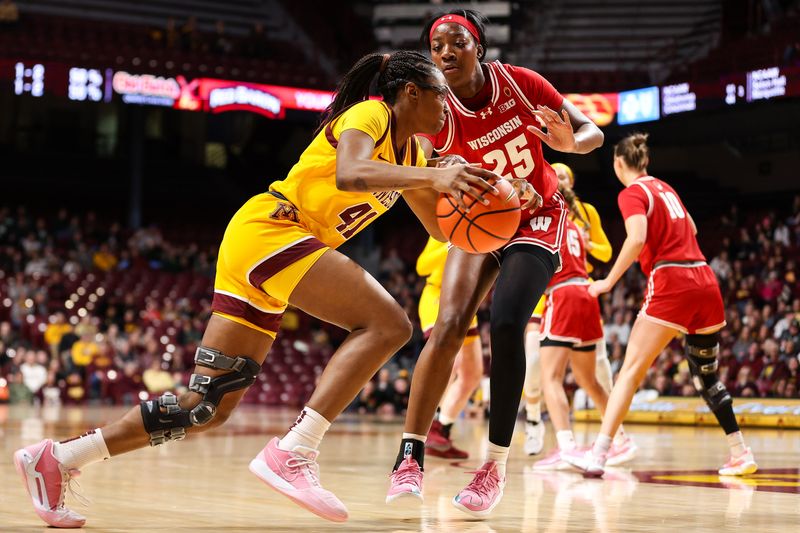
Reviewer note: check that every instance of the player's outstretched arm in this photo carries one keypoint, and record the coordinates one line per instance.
(357, 171)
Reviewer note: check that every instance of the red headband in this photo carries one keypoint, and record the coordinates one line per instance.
(455, 19)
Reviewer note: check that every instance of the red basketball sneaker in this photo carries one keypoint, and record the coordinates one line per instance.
(440, 445)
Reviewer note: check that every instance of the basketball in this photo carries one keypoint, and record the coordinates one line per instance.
(486, 227)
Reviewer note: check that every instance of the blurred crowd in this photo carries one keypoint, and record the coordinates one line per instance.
(187, 37)
(90, 311)
(83, 315)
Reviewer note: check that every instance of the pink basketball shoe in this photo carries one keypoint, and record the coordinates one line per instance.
(621, 453)
(743, 465)
(586, 461)
(483, 493)
(295, 474)
(46, 481)
(405, 481)
(553, 461)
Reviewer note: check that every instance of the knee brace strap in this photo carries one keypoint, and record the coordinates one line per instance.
(703, 366)
(165, 420)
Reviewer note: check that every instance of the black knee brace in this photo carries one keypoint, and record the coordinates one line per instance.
(165, 420)
(702, 351)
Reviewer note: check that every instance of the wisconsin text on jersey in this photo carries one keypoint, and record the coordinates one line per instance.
(496, 134)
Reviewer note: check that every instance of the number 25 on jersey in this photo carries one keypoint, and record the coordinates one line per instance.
(517, 153)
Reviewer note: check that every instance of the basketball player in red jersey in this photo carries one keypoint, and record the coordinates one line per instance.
(496, 117)
(682, 297)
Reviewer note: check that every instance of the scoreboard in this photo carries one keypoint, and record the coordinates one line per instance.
(83, 83)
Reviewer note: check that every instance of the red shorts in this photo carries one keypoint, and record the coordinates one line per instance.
(685, 297)
(546, 227)
(571, 315)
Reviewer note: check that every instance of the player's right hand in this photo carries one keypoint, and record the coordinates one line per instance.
(470, 180)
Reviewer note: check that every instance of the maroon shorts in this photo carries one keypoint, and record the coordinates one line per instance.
(546, 228)
(571, 315)
(684, 296)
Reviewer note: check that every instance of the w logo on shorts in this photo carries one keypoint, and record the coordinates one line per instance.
(540, 223)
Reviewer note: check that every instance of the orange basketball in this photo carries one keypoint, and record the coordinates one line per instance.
(486, 227)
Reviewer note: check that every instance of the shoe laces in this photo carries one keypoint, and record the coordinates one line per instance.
(407, 472)
(69, 482)
(484, 483)
(309, 464)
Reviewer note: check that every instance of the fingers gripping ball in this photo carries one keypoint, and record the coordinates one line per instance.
(486, 227)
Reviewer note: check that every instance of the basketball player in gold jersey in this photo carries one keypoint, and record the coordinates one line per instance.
(468, 367)
(279, 248)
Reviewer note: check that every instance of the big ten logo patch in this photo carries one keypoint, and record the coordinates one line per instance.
(285, 212)
(505, 106)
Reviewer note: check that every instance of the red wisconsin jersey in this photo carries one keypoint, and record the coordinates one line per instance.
(573, 256)
(670, 236)
(496, 134)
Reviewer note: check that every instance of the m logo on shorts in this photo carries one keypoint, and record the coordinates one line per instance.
(540, 223)
(285, 212)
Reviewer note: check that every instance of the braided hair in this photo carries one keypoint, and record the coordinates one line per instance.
(572, 201)
(393, 72)
(475, 17)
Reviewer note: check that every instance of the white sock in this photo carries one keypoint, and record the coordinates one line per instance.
(307, 431)
(499, 454)
(81, 451)
(446, 420)
(736, 443)
(533, 411)
(601, 445)
(421, 438)
(566, 440)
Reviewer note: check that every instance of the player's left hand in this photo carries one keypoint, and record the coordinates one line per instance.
(601, 286)
(559, 134)
(527, 194)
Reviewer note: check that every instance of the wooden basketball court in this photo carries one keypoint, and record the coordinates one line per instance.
(203, 484)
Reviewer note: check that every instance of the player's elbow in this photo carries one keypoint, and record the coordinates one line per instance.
(601, 137)
(636, 240)
(436, 233)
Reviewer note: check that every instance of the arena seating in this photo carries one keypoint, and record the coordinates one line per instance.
(139, 44)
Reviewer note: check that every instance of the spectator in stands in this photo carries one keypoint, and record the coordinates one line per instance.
(392, 265)
(190, 36)
(104, 259)
(34, 374)
(73, 390)
(384, 390)
(9, 13)
(221, 44)
(366, 401)
(18, 392)
(7, 335)
(85, 349)
(619, 328)
(55, 331)
(255, 45)
(722, 266)
(156, 379)
(401, 393)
